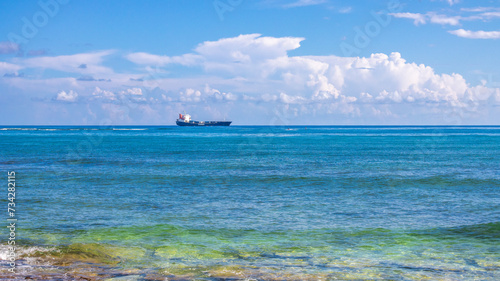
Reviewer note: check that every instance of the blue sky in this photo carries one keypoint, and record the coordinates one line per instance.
(265, 62)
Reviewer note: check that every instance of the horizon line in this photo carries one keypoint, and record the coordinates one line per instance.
(294, 125)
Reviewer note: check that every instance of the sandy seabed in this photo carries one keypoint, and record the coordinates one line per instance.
(59, 269)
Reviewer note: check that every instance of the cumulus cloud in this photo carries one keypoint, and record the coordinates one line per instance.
(380, 78)
(190, 95)
(228, 54)
(69, 96)
(133, 91)
(480, 34)
(128, 97)
(284, 98)
(205, 94)
(271, 75)
(257, 72)
(218, 95)
(244, 49)
(132, 95)
(99, 93)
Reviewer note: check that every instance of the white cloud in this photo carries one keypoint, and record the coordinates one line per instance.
(208, 95)
(391, 78)
(6, 68)
(284, 98)
(218, 95)
(190, 95)
(476, 34)
(452, 2)
(481, 13)
(443, 19)
(46, 86)
(490, 15)
(255, 72)
(69, 96)
(98, 93)
(431, 17)
(127, 97)
(272, 76)
(471, 14)
(132, 95)
(150, 59)
(476, 9)
(133, 91)
(85, 63)
(229, 55)
(416, 17)
(7, 47)
(234, 54)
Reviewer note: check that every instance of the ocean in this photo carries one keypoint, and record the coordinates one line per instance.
(253, 203)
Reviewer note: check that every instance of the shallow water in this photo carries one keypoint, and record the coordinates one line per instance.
(404, 203)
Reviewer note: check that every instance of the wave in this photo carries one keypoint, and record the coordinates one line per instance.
(74, 129)
(26, 251)
(18, 129)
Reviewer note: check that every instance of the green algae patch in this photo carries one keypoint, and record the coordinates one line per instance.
(90, 253)
(191, 251)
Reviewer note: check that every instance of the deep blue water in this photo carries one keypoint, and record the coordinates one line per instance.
(338, 202)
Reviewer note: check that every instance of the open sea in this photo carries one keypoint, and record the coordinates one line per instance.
(253, 203)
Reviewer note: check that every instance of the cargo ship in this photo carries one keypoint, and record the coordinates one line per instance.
(185, 120)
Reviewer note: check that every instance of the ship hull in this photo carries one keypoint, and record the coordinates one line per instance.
(203, 124)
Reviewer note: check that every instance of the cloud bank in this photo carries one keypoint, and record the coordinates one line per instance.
(252, 77)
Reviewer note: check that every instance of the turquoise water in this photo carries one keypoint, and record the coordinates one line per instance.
(297, 203)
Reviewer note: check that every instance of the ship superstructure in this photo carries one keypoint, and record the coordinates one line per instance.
(185, 120)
